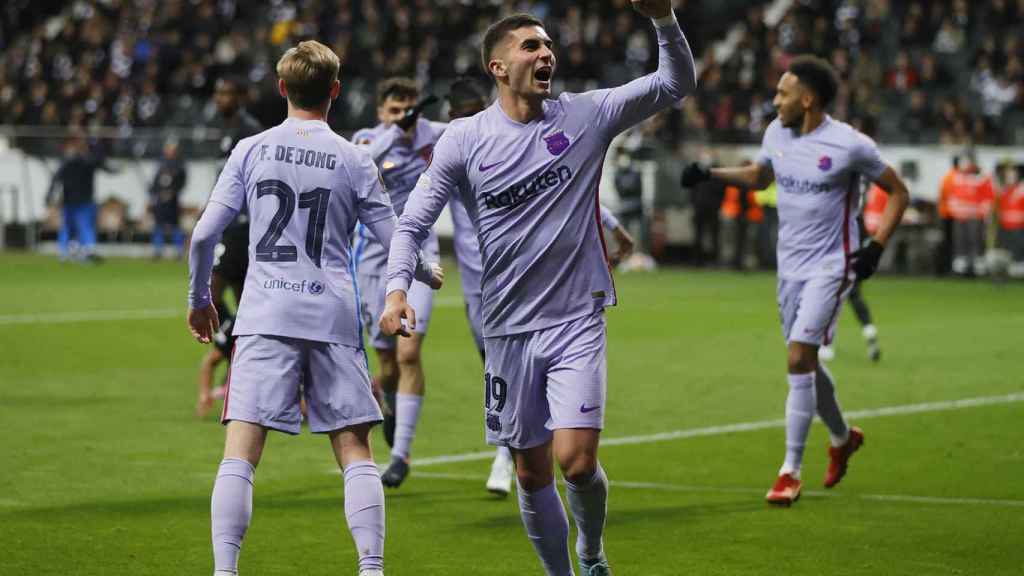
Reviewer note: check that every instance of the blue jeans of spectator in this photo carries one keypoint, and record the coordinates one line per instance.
(78, 222)
(163, 228)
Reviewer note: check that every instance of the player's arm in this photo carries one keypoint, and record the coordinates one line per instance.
(754, 176)
(866, 160)
(226, 201)
(623, 239)
(202, 314)
(424, 206)
(674, 79)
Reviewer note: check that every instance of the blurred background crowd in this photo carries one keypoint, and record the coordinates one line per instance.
(176, 80)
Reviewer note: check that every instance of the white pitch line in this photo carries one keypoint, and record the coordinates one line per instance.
(758, 425)
(659, 486)
(92, 316)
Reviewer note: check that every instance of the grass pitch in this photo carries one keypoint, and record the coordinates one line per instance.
(105, 470)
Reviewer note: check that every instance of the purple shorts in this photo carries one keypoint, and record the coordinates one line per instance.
(264, 384)
(545, 380)
(809, 309)
(372, 289)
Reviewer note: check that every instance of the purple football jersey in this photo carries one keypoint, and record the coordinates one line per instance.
(304, 187)
(818, 177)
(531, 190)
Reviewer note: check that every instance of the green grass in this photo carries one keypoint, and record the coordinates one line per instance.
(105, 470)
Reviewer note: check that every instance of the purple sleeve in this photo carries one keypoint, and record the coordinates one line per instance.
(622, 107)
(608, 219)
(764, 155)
(205, 236)
(425, 203)
(372, 200)
(230, 188)
(867, 160)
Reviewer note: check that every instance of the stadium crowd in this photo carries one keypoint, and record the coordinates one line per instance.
(915, 71)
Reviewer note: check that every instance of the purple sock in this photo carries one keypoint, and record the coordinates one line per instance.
(230, 511)
(588, 502)
(547, 527)
(364, 511)
(407, 415)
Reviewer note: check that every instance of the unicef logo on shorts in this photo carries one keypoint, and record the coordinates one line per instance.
(316, 288)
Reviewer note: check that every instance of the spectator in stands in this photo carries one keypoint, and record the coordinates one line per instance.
(165, 201)
(73, 187)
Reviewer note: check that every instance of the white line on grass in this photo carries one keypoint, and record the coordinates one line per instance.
(901, 498)
(92, 316)
(751, 426)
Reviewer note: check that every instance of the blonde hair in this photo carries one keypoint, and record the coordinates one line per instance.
(308, 70)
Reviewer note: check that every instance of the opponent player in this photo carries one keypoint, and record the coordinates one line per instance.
(401, 146)
(527, 169)
(817, 163)
(466, 98)
(304, 187)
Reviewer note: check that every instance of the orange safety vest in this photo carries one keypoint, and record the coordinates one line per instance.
(731, 205)
(945, 191)
(1011, 207)
(971, 197)
(874, 208)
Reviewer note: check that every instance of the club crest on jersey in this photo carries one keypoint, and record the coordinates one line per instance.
(824, 163)
(557, 142)
(316, 288)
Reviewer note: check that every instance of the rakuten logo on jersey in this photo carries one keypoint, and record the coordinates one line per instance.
(518, 194)
(315, 288)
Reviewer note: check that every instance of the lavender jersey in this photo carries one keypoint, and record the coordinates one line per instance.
(401, 161)
(467, 247)
(304, 187)
(531, 190)
(818, 176)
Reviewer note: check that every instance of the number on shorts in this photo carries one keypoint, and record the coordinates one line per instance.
(495, 387)
(267, 249)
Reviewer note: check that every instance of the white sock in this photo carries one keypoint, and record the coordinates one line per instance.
(407, 415)
(869, 332)
(503, 454)
(230, 512)
(828, 407)
(800, 407)
(588, 502)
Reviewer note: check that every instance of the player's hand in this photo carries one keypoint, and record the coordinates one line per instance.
(430, 273)
(412, 114)
(653, 8)
(625, 245)
(397, 308)
(695, 173)
(436, 275)
(865, 260)
(203, 323)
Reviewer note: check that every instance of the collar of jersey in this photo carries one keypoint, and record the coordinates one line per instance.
(319, 123)
(501, 112)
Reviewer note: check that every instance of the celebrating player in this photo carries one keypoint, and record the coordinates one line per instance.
(304, 187)
(817, 163)
(527, 169)
(401, 146)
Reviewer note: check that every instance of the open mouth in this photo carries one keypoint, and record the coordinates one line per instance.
(543, 74)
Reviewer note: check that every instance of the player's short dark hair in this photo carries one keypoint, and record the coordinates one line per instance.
(398, 87)
(818, 75)
(497, 31)
(465, 91)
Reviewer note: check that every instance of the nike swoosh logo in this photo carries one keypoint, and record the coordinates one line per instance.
(485, 168)
(584, 408)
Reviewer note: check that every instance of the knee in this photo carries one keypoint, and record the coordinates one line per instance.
(409, 355)
(578, 468)
(802, 359)
(388, 369)
(533, 480)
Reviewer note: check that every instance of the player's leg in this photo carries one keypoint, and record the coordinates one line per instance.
(515, 412)
(387, 380)
(67, 222)
(576, 394)
(341, 404)
(204, 403)
(262, 393)
(411, 386)
(844, 440)
(541, 510)
(868, 329)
